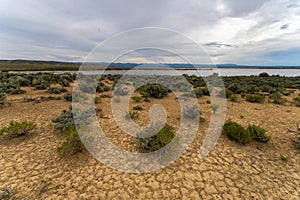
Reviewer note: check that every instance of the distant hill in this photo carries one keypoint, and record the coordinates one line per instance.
(37, 65)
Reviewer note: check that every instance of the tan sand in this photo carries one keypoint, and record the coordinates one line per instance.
(32, 168)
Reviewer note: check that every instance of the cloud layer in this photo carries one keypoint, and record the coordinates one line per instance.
(254, 32)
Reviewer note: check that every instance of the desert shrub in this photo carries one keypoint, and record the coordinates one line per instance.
(297, 145)
(56, 90)
(2, 98)
(205, 91)
(258, 133)
(86, 87)
(236, 132)
(277, 98)
(101, 87)
(153, 90)
(229, 94)
(255, 98)
(191, 112)
(156, 142)
(120, 91)
(198, 92)
(138, 107)
(64, 120)
(72, 143)
(137, 98)
(296, 100)
(132, 114)
(40, 84)
(17, 129)
(68, 97)
(233, 98)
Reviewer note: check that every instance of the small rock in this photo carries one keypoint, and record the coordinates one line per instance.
(239, 163)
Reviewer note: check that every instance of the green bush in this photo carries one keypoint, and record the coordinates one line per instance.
(153, 90)
(72, 143)
(255, 98)
(17, 129)
(258, 133)
(242, 135)
(297, 145)
(156, 142)
(236, 132)
(276, 97)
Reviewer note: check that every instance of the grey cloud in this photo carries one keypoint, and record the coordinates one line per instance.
(285, 26)
(71, 29)
(219, 45)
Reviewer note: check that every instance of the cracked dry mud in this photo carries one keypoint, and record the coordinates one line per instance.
(32, 168)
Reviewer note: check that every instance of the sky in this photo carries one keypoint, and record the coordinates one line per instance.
(256, 32)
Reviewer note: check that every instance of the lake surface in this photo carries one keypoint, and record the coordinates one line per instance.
(203, 72)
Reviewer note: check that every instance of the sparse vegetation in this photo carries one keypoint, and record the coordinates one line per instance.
(17, 129)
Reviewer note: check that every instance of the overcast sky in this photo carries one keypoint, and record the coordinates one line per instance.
(255, 32)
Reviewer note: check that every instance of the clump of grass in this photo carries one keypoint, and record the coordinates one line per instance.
(284, 158)
(17, 129)
(158, 141)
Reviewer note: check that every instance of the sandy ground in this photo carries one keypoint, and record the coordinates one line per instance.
(32, 168)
